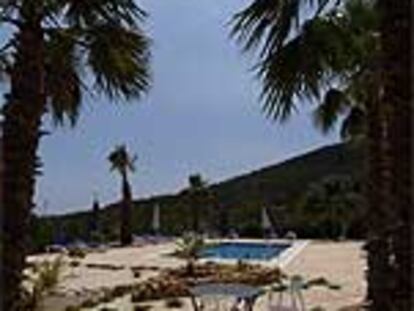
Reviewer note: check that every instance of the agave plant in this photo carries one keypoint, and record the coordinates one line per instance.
(189, 247)
(42, 280)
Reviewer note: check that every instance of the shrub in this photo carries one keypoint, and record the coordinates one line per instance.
(76, 252)
(189, 247)
(241, 265)
(74, 263)
(173, 303)
(43, 279)
(136, 272)
(105, 266)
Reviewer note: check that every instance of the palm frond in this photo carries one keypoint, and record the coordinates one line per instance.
(266, 24)
(8, 8)
(303, 68)
(86, 14)
(119, 60)
(121, 160)
(63, 83)
(354, 125)
(305, 46)
(5, 65)
(111, 47)
(331, 109)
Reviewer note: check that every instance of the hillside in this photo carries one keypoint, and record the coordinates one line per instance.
(282, 182)
(240, 197)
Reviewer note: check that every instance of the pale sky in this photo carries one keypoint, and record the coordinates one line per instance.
(201, 115)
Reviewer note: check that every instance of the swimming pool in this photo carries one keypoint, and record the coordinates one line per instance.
(244, 250)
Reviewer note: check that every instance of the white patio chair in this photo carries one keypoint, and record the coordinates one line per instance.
(295, 300)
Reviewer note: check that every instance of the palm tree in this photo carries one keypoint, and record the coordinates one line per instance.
(331, 54)
(396, 40)
(57, 52)
(197, 196)
(122, 162)
(94, 227)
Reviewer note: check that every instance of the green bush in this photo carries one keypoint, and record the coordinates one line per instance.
(43, 278)
(189, 247)
(74, 263)
(77, 252)
(173, 303)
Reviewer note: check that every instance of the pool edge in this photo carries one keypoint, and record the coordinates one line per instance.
(280, 261)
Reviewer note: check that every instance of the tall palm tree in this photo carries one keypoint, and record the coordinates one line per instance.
(122, 162)
(330, 51)
(199, 197)
(396, 26)
(57, 52)
(94, 227)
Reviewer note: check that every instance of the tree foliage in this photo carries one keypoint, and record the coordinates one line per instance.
(89, 48)
(121, 160)
(328, 56)
(333, 205)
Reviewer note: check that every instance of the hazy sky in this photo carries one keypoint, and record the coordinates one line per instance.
(201, 115)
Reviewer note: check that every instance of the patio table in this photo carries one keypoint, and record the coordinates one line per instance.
(240, 292)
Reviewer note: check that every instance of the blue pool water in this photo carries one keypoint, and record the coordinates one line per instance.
(244, 251)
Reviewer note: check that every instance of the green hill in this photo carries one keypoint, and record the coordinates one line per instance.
(278, 187)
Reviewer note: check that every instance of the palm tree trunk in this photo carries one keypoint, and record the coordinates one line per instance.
(343, 230)
(126, 211)
(380, 216)
(194, 211)
(196, 216)
(21, 134)
(396, 42)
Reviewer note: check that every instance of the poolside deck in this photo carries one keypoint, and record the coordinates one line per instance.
(342, 263)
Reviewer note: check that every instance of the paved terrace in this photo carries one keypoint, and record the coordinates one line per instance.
(341, 263)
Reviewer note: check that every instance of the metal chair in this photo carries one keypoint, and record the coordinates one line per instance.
(293, 290)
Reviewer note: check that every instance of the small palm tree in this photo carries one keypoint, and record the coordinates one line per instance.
(58, 51)
(123, 163)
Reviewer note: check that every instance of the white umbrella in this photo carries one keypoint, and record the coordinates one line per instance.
(266, 223)
(156, 218)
